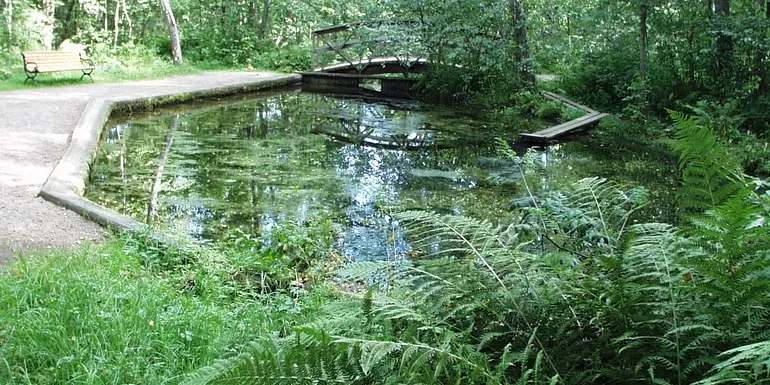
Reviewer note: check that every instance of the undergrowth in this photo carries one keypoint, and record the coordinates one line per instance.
(573, 291)
(130, 312)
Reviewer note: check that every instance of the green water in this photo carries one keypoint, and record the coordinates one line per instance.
(252, 163)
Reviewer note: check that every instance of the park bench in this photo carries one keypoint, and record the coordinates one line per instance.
(37, 62)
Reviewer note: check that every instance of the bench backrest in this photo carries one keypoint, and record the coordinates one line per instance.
(51, 57)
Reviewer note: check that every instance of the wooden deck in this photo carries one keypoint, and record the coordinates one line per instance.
(552, 133)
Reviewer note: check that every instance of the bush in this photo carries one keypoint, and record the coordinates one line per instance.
(608, 80)
(286, 59)
(549, 110)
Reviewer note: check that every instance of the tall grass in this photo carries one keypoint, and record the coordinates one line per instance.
(104, 315)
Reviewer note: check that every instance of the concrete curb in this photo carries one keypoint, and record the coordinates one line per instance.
(66, 183)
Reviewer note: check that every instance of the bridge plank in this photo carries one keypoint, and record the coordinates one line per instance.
(554, 132)
(375, 66)
(573, 104)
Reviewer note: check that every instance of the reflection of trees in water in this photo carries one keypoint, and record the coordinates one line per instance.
(356, 131)
(256, 164)
(152, 206)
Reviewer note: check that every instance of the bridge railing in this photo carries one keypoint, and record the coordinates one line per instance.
(361, 44)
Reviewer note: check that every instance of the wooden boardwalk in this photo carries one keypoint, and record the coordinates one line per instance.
(552, 133)
(375, 66)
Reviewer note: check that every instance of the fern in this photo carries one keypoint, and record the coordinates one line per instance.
(710, 174)
(726, 247)
(615, 303)
(590, 216)
(283, 362)
(748, 364)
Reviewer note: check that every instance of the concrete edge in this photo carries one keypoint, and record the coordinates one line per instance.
(66, 183)
(128, 105)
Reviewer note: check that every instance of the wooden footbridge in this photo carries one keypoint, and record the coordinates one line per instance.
(349, 55)
(367, 48)
(372, 42)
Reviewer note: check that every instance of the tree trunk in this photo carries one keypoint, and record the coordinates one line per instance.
(49, 8)
(128, 20)
(265, 23)
(147, 25)
(152, 207)
(9, 20)
(173, 32)
(643, 8)
(106, 17)
(691, 58)
(724, 42)
(253, 15)
(68, 21)
(764, 84)
(116, 24)
(523, 54)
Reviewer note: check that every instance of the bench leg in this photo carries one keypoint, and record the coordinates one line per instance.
(87, 73)
(30, 76)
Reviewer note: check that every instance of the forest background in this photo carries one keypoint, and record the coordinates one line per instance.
(637, 57)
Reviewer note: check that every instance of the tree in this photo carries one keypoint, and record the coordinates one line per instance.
(643, 9)
(49, 9)
(523, 54)
(9, 19)
(724, 41)
(152, 206)
(173, 32)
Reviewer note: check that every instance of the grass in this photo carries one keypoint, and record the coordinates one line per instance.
(127, 313)
(16, 78)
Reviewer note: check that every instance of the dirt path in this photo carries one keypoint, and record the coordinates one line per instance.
(35, 126)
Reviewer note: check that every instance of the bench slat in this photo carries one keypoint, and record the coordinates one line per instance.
(65, 69)
(58, 55)
(61, 68)
(76, 60)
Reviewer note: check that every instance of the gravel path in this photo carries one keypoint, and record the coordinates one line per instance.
(35, 127)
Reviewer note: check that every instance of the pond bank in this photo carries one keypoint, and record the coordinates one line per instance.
(37, 126)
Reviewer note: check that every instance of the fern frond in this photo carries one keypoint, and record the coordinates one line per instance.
(711, 175)
(748, 364)
(281, 362)
(413, 357)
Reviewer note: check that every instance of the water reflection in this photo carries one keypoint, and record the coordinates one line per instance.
(254, 164)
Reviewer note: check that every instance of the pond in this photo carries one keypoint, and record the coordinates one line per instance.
(253, 162)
